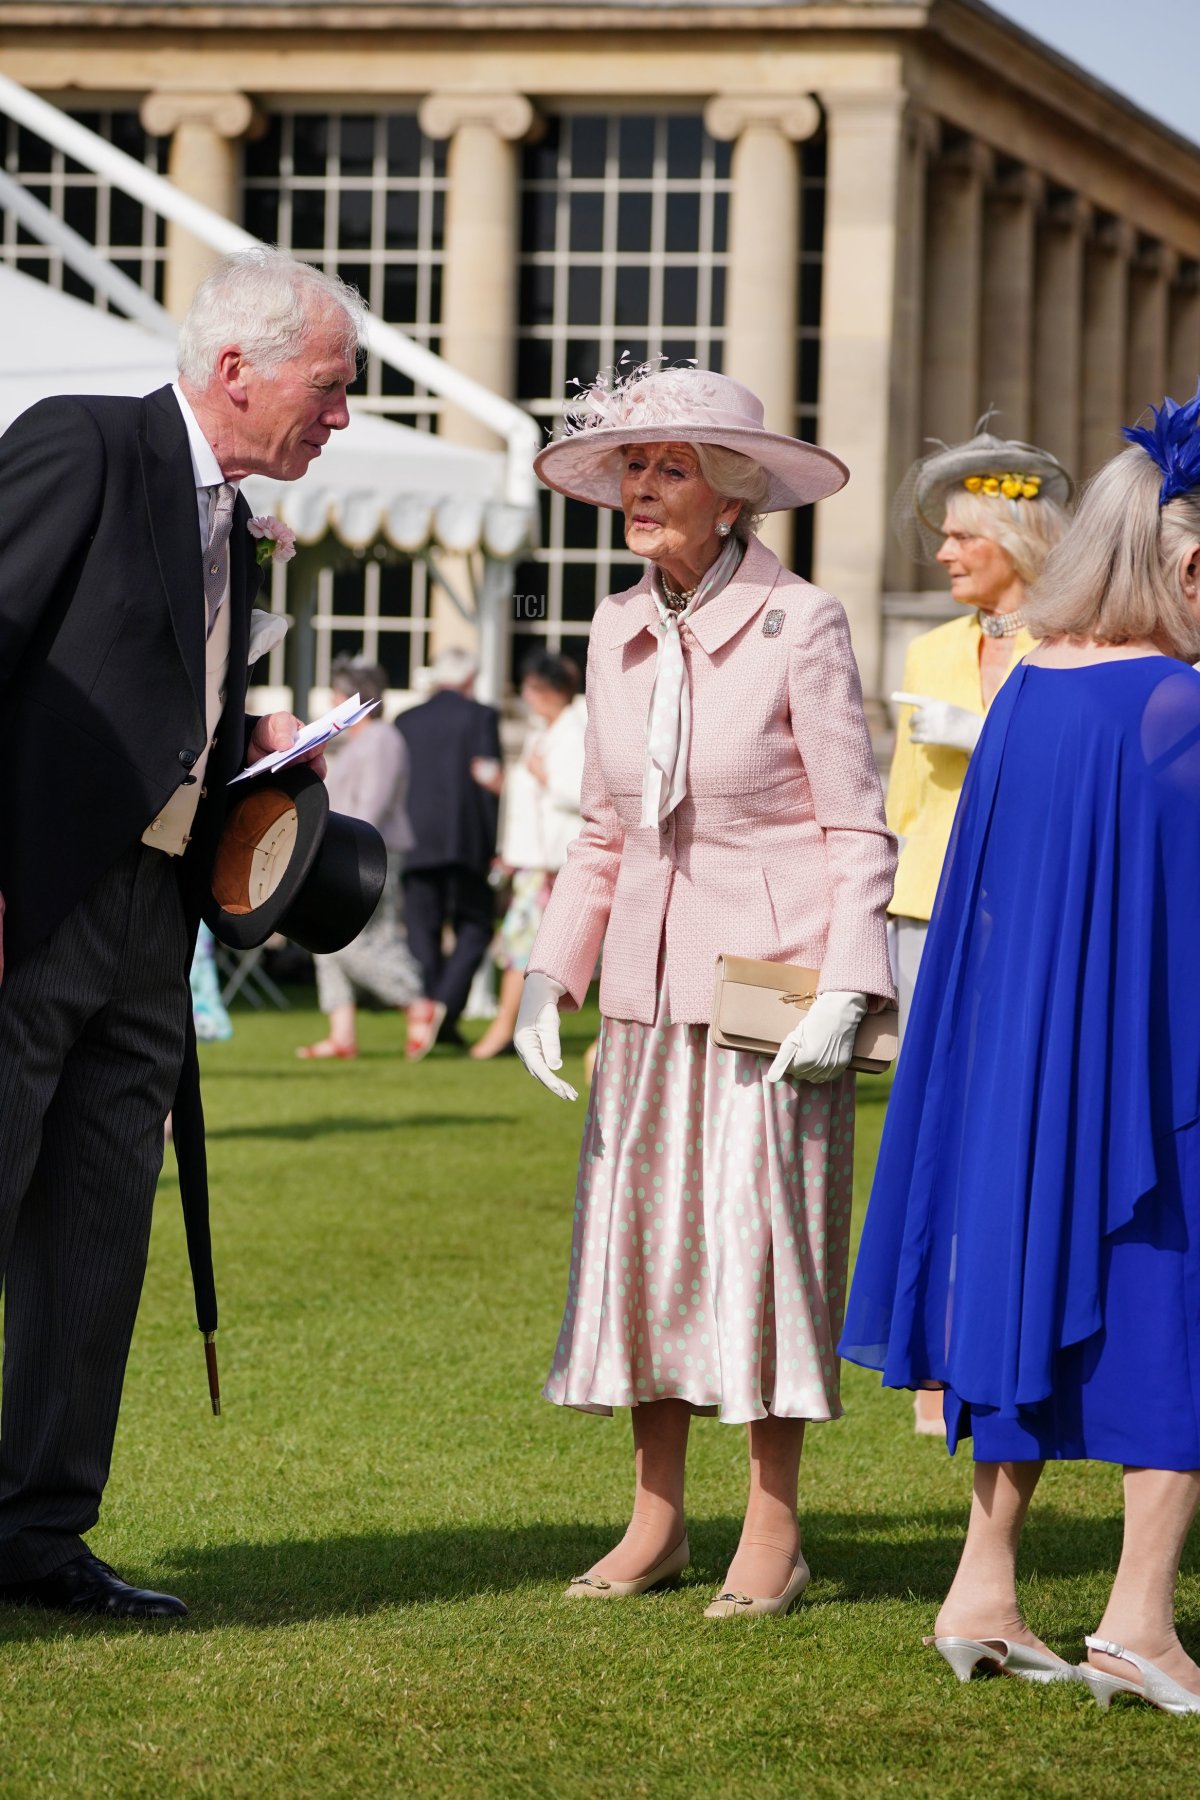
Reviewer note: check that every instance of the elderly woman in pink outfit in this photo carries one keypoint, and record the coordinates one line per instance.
(730, 804)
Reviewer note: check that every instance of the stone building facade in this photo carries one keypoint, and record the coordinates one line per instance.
(885, 216)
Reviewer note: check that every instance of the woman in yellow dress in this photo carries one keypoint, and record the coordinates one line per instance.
(998, 507)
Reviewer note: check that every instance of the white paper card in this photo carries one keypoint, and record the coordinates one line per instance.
(311, 737)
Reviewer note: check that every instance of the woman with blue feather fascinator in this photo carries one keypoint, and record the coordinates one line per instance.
(1033, 1238)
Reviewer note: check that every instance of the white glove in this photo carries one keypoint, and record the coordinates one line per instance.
(938, 722)
(822, 1044)
(535, 1037)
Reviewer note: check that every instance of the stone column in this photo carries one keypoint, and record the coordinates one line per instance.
(922, 136)
(870, 307)
(762, 298)
(953, 279)
(1105, 317)
(1149, 296)
(1007, 300)
(481, 242)
(204, 126)
(1058, 329)
(478, 326)
(1183, 339)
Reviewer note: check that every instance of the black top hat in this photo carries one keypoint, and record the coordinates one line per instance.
(286, 863)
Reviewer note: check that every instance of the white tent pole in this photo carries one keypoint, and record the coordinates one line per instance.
(86, 261)
(520, 432)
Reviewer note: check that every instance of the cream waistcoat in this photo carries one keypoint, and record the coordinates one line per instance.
(172, 830)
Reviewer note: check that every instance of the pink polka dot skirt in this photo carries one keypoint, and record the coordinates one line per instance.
(711, 1233)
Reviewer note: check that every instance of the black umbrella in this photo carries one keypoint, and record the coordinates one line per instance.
(284, 863)
(188, 1120)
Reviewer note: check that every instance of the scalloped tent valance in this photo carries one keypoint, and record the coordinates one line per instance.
(379, 481)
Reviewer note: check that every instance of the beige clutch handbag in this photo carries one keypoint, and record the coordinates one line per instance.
(757, 1003)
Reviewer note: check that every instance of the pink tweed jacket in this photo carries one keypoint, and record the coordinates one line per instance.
(779, 848)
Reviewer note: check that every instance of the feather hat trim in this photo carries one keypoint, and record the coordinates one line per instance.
(1173, 444)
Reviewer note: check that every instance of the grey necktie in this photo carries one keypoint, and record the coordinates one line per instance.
(216, 554)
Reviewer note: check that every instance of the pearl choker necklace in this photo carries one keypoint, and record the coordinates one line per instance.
(1001, 625)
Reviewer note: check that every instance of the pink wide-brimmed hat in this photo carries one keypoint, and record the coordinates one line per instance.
(678, 406)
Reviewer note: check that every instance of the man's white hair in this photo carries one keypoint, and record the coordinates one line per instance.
(453, 667)
(265, 302)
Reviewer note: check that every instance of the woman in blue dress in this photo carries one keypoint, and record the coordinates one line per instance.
(1032, 1243)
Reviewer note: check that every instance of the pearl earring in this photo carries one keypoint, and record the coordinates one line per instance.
(722, 529)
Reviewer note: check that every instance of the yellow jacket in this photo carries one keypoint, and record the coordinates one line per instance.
(926, 779)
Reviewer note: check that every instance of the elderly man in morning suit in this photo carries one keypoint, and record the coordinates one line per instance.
(126, 579)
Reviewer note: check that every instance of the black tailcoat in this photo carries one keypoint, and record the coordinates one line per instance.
(102, 655)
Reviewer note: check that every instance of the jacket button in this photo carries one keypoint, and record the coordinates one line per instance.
(188, 781)
(187, 758)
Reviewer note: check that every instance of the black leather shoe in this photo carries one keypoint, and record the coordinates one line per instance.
(87, 1585)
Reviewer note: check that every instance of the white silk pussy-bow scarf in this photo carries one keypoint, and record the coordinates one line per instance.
(669, 724)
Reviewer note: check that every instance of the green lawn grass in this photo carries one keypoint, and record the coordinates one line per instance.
(374, 1538)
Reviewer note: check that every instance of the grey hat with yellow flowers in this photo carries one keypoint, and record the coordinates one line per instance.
(1000, 467)
(996, 467)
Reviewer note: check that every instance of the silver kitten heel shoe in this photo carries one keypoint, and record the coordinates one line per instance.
(1000, 1656)
(1156, 1687)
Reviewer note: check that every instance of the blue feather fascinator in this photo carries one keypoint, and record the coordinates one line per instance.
(1173, 443)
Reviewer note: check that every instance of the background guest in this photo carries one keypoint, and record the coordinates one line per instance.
(995, 509)
(1031, 1237)
(368, 779)
(454, 750)
(730, 803)
(541, 818)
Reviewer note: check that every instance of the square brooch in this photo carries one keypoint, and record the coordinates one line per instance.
(773, 623)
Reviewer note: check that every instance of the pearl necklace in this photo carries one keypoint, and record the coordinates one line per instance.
(675, 599)
(1001, 625)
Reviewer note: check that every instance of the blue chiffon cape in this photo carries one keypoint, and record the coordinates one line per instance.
(1054, 1039)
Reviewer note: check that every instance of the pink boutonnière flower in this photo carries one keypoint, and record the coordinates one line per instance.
(276, 541)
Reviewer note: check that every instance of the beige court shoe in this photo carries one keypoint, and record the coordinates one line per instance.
(743, 1606)
(595, 1587)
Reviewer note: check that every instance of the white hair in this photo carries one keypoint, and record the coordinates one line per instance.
(453, 667)
(265, 302)
(732, 476)
(1115, 577)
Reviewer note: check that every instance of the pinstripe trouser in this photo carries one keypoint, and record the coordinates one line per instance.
(91, 1040)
